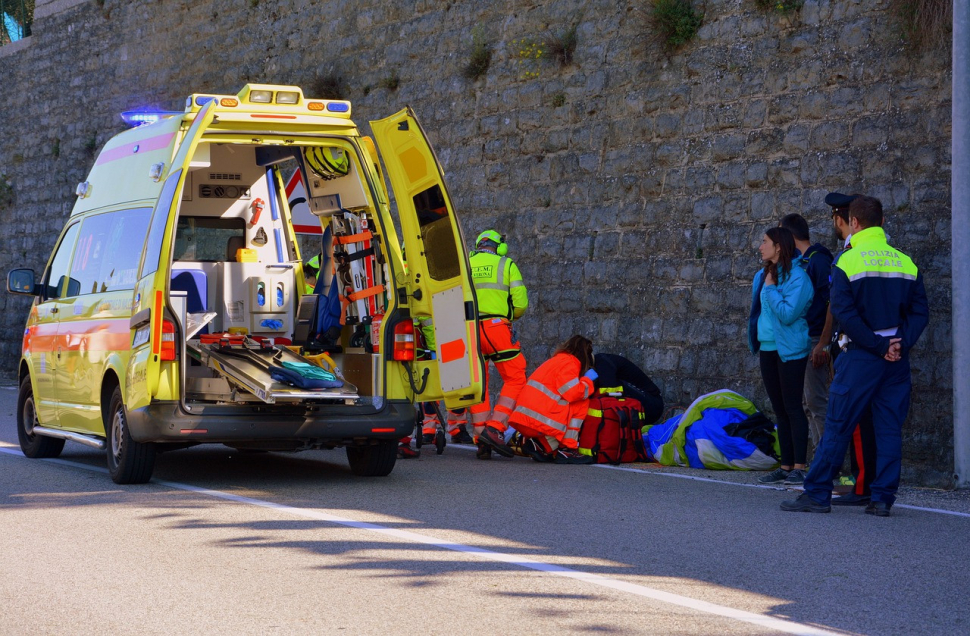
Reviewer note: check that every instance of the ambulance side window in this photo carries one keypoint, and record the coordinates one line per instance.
(108, 251)
(440, 249)
(57, 277)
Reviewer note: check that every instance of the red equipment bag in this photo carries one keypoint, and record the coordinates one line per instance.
(611, 431)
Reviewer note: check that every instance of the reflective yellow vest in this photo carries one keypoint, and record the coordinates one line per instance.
(498, 286)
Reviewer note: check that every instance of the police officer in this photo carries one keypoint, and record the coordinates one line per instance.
(879, 299)
(502, 298)
(862, 448)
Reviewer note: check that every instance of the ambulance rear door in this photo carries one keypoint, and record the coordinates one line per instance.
(153, 337)
(437, 266)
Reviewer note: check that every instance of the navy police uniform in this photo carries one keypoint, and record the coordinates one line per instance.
(877, 294)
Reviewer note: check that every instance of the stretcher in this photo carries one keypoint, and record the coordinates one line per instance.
(354, 255)
(247, 363)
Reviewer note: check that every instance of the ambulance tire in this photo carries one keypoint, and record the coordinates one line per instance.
(33, 446)
(129, 462)
(375, 460)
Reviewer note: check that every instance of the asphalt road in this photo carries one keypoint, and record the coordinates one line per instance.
(270, 543)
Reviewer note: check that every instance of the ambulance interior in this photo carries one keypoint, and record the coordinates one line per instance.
(235, 287)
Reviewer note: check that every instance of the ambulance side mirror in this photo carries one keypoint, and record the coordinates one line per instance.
(22, 281)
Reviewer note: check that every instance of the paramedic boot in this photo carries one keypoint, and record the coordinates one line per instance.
(571, 456)
(404, 451)
(534, 449)
(493, 437)
(484, 452)
(462, 436)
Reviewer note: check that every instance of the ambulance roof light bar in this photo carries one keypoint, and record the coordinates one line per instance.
(270, 97)
(135, 118)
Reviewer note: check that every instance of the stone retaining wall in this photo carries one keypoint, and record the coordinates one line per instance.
(634, 186)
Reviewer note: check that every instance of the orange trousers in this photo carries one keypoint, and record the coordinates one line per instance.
(503, 350)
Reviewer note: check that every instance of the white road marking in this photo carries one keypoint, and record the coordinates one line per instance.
(765, 622)
(658, 473)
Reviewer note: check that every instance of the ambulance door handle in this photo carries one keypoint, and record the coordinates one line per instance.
(53, 310)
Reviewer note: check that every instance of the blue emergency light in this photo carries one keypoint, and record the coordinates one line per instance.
(135, 118)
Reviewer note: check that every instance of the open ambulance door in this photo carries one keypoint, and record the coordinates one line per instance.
(438, 272)
(153, 338)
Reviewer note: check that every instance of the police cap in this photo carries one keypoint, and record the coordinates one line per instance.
(839, 200)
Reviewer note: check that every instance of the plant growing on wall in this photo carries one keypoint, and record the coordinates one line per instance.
(675, 22)
(91, 145)
(924, 23)
(481, 56)
(561, 47)
(391, 82)
(529, 53)
(329, 86)
(6, 192)
(784, 7)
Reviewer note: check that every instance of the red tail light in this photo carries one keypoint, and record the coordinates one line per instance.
(168, 340)
(404, 340)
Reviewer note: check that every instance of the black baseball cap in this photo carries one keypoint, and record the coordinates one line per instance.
(839, 200)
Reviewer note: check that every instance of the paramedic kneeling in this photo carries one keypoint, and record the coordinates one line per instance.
(879, 299)
(552, 405)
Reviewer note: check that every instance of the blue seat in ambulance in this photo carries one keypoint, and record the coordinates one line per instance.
(194, 283)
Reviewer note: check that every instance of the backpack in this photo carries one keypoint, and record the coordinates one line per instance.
(611, 431)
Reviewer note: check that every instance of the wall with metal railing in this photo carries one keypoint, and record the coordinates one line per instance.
(16, 18)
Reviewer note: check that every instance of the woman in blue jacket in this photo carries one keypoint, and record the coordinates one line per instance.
(778, 332)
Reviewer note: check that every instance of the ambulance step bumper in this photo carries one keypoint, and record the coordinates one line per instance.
(87, 440)
(167, 422)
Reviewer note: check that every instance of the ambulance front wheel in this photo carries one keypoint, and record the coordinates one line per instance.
(129, 462)
(375, 460)
(33, 446)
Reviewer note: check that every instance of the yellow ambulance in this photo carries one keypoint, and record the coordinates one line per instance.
(173, 310)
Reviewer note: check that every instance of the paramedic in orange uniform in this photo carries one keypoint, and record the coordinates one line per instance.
(502, 298)
(553, 404)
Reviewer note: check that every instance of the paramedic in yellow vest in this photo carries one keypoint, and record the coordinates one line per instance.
(502, 298)
(311, 269)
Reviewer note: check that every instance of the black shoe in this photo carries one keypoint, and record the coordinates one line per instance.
(795, 478)
(878, 508)
(532, 449)
(462, 437)
(493, 438)
(850, 499)
(404, 451)
(804, 503)
(776, 476)
(484, 452)
(570, 456)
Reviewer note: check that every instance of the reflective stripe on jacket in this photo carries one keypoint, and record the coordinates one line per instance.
(555, 399)
(498, 286)
(876, 287)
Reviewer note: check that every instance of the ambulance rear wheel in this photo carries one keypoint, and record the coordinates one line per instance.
(129, 462)
(33, 446)
(376, 460)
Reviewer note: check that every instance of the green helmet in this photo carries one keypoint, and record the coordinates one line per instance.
(491, 235)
